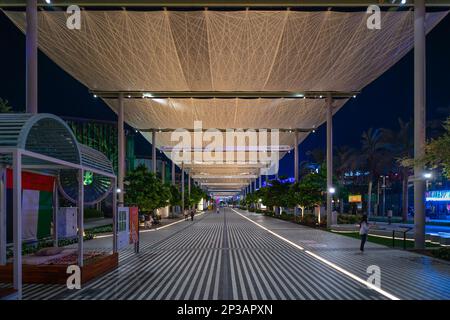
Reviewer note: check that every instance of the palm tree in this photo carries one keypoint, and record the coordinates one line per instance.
(400, 143)
(372, 159)
(318, 155)
(344, 160)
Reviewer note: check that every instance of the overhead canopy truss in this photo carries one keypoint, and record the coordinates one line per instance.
(228, 3)
(261, 69)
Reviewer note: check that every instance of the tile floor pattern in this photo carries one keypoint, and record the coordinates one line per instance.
(226, 256)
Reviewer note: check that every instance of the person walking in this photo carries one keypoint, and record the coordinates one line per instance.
(192, 214)
(363, 231)
(389, 216)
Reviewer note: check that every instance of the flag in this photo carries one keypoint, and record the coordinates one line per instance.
(37, 205)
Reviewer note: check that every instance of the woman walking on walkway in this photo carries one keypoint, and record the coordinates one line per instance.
(363, 231)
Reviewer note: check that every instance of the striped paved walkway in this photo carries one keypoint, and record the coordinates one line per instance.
(227, 256)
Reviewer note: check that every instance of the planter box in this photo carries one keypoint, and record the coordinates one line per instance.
(56, 274)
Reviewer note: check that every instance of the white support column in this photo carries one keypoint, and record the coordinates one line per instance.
(260, 181)
(17, 221)
(55, 214)
(182, 188)
(80, 218)
(31, 57)
(114, 214)
(173, 173)
(121, 155)
(172, 209)
(329, 158)
(163, 172)
(189, 189)
(3, 227)
(419, 120)
(154, 156)
(296, 157)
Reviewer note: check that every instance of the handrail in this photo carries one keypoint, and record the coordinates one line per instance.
(406, 229)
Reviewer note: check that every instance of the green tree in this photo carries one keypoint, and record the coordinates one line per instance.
(275, 194)
(345, 159)
(400, 144)
(310, 191)
(437, 151)
(372, 159)
(144, 189)
(175, 195)
(196, 195)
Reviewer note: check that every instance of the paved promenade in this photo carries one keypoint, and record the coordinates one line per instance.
(239, 255)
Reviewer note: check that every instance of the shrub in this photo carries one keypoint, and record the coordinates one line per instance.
(349, 218)
(442, 253)
(90, 213)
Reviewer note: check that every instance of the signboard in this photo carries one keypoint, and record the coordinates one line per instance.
(354, 198)
(134, 225)
(67, 222)
(123, 227)
(438, 195)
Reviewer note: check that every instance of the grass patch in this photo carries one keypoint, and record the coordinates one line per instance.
(385, 241)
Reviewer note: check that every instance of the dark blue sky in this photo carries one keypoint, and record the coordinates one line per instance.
(379, 105)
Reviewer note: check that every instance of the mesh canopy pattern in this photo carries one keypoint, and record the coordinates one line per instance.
(225, 51)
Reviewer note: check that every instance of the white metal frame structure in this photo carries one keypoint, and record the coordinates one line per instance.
(182, 65)
(18, 153)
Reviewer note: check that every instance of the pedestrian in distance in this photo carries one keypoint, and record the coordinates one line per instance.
(389, 215)
(192, 214)
(363, 231)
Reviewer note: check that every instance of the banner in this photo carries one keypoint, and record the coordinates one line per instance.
(134, 225)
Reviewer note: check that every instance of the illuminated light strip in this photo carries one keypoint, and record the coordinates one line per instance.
(330, 264)
(373, 235)
(168, 225)
(270, 231)
(142, 231)
(396, 238)
(354, 277)
(436, 199)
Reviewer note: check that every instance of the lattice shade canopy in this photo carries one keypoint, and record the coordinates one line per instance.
(48, 135)
(225, 51)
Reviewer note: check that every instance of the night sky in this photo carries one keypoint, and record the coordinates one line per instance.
(379, 105)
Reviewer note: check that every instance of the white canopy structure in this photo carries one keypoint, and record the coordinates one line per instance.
(138, 54)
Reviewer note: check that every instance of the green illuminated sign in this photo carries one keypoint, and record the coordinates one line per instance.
(88, 178)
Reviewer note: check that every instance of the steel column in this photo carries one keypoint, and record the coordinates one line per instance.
(329, 158)
(114, 213)
(296, 157)
(80, 218)
(154, 157)
(55, 214)
(189, 189)
(3, 227)
(182, 188)
(419, 120)
(31, 57)
(17, 221)
(121, 151)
